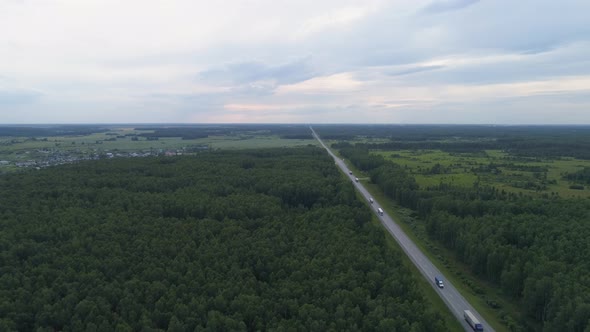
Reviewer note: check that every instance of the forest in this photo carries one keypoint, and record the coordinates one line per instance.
(582, 176)
(184, 131)
(249, 240)
(535, 249)
(49, 130)
(527, 141)
(201, 131)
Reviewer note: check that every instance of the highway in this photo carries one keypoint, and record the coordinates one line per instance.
(449, 294)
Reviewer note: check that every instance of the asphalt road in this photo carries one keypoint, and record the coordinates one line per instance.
(456, 303)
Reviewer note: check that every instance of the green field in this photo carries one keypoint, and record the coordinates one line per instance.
(100, 141)
(525, 175)
(253, 142)
(124, 140)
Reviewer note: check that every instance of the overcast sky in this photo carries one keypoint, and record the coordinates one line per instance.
(300, 61)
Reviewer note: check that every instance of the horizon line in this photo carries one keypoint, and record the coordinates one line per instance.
(287, 123)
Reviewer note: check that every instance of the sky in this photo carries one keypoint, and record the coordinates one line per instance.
(300, 61)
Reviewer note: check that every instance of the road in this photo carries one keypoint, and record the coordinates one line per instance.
(454, 301)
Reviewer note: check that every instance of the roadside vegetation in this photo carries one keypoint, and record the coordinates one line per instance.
(507, 216)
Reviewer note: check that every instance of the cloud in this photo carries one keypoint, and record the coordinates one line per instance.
(337, 83)
(439, 6)
(514, 26)
(18, 97)
(258, 75)
(486, 68)
(518, 89)
(413, 70)
(332, 60)
(335, 18)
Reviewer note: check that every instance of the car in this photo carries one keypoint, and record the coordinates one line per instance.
(371, 200)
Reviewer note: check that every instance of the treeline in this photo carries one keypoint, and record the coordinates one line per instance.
(184, 133)
(412, 133)
(536, 250)
(45, 131)
(203, 131)
(525, 141)
(222, 241)
(530, 147)
(582, 176)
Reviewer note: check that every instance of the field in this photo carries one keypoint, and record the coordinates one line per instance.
(493, 167)
(112, 141)
(35, 150)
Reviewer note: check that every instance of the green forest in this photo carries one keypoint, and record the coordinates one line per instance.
(534, 248)
(524, 141)
(252, 240)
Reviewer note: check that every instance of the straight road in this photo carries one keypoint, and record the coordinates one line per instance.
(456, 303)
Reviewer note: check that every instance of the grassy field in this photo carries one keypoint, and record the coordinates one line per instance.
(14, 149)
(495, 168)
(254, 142)
(101, 141)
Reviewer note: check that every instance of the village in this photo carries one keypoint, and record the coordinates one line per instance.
(40, 158)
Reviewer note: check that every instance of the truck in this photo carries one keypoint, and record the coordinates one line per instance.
(439, 282)
(472, 321)
(380, 211)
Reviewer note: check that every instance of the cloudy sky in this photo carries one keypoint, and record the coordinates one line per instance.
(299, 61)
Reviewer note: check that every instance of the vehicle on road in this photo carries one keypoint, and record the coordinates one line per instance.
(439, 282)
(371, 200)
(472, 321)
(356, 179)
(452, 298)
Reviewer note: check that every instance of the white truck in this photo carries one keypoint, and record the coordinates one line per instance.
(472, 321)
(439, 282)
(380, 211)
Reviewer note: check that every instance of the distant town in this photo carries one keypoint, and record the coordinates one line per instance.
(47, 158)
(33, 146)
